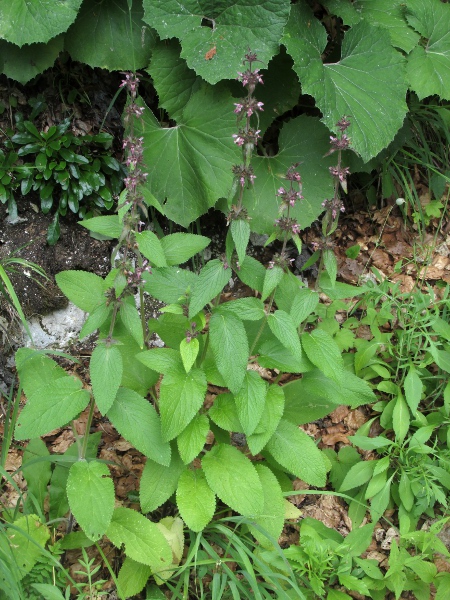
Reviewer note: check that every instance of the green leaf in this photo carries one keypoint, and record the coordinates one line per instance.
(367, 84)
(310, 398)
(105, 370)
(90, 491)
(27, 544)
(85, 290)
(428, 66)
(143, 541)
(223, 413)
(232, 35)
(108, 225)
(23, 64)
(180, 247)
(96, 319)
(158, 482)
(192, 161)
(282, 326)
(271, 520)
(230, 347)
(192, 439)
(28, 21)
(163, 360)
(270, 418)
(400, 419)
(48, 591)
(189, 351)
(250, 401)
(169, 283)
(441, 357)
(54, 398)
(324, 353)
(273, 355)
(173, 80)
(413, 389)
(181, 396)
(240, 231)
(358, 475)
(272, 278)
(294, 450)
(132, 578)
(330, 263)
(151, 247)
(304, 303)
(247, 309)
(38, 474)
(234, 479)
(195, 499)
(130, 409)
(131, 319)
(252, 273)
(211, 281)
(104, 33)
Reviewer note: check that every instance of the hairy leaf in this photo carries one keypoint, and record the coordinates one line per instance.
(324, 353)
(271, 520)
(211, 281)
(159, 482)
(272, 413)
(195, 499)
(230, 348)
(283, 328)
(85, 290)
(105, 370)
(250, 401)
(192, 440)
(180, 247)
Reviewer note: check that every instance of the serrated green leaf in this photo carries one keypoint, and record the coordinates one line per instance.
(25, 22)
(303, 304)
(130, 408)
(250, 401)
(282, 326)
(103, 34)
(105, 370)
(131, 320)
(272, 278)
(96, 319)
(366, 83)
(294, 450)
(192, 162)
(180, 247)
(324, 353)
(143, 541)
(247, 309)
(271, 520)
(169, 283)
(273, 355)
(90, 491)
(85, 290)
(26, 548)
(150, 247)
(23, 64)
(252, 273)
(163, 360)
(310, 398)
(223, 413)
(234, 479)
(191, 440)
(232, 35)
(240, 231)
(211, 281)
(195, 499)
(270, 418)
(428, 66)
(181, 396)
(158, 482)
(189, 351)
(132, 577)
(230, 347)
(108, 225)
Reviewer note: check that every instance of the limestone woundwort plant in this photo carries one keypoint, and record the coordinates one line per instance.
(184, 432)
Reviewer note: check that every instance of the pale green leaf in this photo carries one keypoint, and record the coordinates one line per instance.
(159, 482)
(163, 360)
(212, 279)
(189, 351)
(310, 398)
(232, 35)
(38, 474)
(230, 347)
(131, 319)
(192, 440)
(132, 577)
(108, 225)
(96, 319)
(143, 541)
(85, 290)
(28, 21)
(400, 419)
(294, 450)
(105, 369)
(26, 545)
(272, 278)
(169, 283)
(358, 475)
(252, 273)
(180, 247)
(273, 355)
(90, 491)
(324, 353)
(413, 389)
(104, 33)
(330, 264)
(23, 64)
(250, 401)
(130, 409)
(304, 303)
(272, 413)
(282, 326)
(181, 396)
(232, 476)
(48, 591)
(195, 499)
(271, 519)
(247, 309)
(240, 231)
(151, 247)
(223, 413)
(367, 84)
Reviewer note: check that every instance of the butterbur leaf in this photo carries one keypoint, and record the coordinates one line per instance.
(181, 396)
(189, 352)
(192, 439)
(137, 421)
(90, 492)
(250, 401)
(105, 370)
(324, 353)
(195, 499)
(282, 326)
(85, 290)
(234, 479)
(294, 450)
(159, 482)
(131, 319)
(240, 230)
(132, 577)
(142, 539)
(272, 413)
(151, 247)
(272, 518)
(180, 247)
(230, 347)
(247, 309)
(211, 281)
(272, 278)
